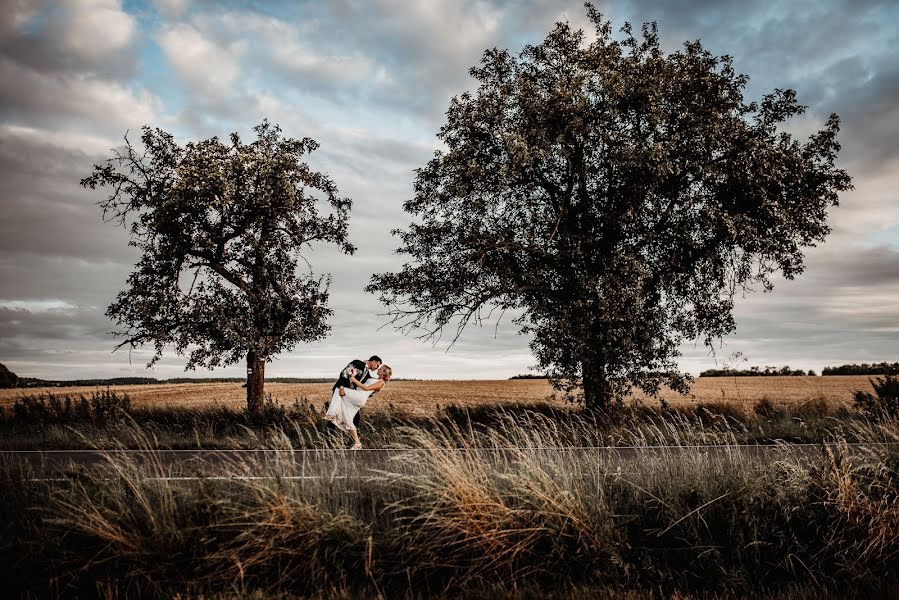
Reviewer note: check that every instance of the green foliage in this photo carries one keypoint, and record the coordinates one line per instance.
(882, 368)
(614, 199)
(221, 228)
(883, 402)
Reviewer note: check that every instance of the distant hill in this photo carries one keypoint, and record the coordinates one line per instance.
(8, 379)
(883, 368)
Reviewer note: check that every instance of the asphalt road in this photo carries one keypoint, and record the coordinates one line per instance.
(328, 462)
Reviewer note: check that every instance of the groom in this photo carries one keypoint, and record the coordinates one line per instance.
(363, 371)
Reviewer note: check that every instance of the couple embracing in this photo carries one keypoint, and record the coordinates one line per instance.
(356, 383)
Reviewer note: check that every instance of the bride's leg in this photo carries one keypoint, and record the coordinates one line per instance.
(355, 435)
(334, 406)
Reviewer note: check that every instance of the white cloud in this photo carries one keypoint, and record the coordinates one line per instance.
(302, 52)
(208, 67)
(37, 306)
(94, 29)
(62, 139)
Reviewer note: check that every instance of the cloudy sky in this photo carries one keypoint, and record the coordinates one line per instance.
(370, 80)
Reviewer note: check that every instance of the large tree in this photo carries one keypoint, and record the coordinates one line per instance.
(613, 197)
(222, 228)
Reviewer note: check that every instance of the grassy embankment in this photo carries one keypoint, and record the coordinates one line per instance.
(664, 523)
(525, 522)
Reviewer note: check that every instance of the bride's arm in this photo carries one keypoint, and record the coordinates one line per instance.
(368, 388)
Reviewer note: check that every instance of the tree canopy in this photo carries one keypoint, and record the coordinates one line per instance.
(615, 198)
(222, 228)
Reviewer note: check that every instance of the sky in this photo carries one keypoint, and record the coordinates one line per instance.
(370, 80)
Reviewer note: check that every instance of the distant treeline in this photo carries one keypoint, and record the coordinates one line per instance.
(883, 368)
(529, 376)
(32, 382)
(757, 372)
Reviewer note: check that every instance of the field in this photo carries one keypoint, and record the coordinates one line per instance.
(422, 398)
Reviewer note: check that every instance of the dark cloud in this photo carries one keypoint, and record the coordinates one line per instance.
(99, 42)
(71, 62)
(839, 311)
(870, 120)
(69, 323)
(46, 212)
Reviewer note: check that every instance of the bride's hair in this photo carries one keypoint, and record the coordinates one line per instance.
(387, 371)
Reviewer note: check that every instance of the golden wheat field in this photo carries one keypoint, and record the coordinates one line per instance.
(422, 397)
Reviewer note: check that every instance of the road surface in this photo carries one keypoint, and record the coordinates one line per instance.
(329, 462)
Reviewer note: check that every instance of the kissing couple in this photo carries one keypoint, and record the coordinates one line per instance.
(356, 383)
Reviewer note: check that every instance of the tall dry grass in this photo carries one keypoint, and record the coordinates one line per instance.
(503, 507)
(103, 420)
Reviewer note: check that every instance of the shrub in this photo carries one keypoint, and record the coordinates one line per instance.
(814, 407)
(883, 402)
(101, 407)
(766, 409)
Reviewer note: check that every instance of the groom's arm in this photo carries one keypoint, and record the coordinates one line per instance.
(343, 380)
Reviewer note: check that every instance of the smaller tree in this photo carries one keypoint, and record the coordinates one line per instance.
(221, 228)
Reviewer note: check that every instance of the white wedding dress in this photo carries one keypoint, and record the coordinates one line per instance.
(343, 408)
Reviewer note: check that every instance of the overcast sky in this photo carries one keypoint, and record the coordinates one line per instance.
(370, 80)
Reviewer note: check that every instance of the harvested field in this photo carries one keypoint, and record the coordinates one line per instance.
(421, 397)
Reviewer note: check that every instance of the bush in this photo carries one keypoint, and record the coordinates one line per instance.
(883, 402)
(813, 407)
(766, 409)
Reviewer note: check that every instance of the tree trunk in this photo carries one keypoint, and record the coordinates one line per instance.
(597, 391)
(255, 382)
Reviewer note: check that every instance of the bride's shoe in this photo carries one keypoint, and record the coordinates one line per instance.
(356, 446)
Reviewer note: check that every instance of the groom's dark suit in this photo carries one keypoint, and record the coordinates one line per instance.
(344, 381)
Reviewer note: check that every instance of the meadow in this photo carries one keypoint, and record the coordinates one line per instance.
(423, 398)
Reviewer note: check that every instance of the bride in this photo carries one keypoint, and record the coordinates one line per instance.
(345, 403)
